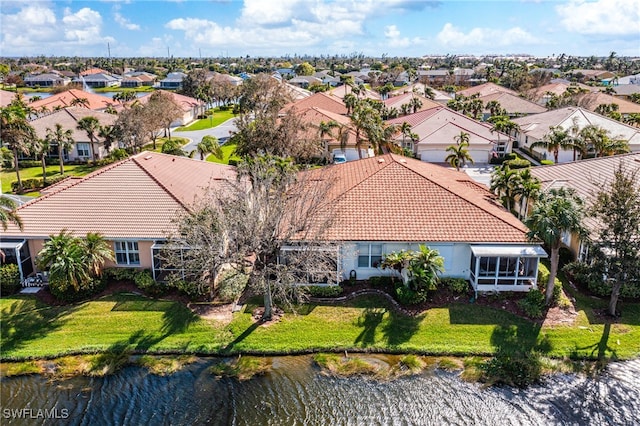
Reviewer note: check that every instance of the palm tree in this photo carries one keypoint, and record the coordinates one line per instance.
(64, 257)
(555, 213)
(91, 126)
(365, 119)
(325, 128)
(41, 148)
(81, 102)
(504, 183)
(459, 153)
(554, 141)
(8, 214)
(425, 264)
(63, 139)
(415, 103)
(108, 135)
(209, 145)
(502, 124)
(598, 139)
(96, 250)
(350, 101)
(405, 129)
(17, 133)
(527, 189)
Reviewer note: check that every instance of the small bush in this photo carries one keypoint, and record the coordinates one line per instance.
(231, 285)
(145, 282)
(513, 369)
(518, 163)
(380, 281)
(406, 296)
(324, 291)
(546, 162)
(119, 274)
(456, 285)
(189, 289)
(9, 279)
(66, 293)
(533, 303)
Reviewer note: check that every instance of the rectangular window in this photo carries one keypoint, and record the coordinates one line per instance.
(369, 255)
(83, 149)
(127, 252)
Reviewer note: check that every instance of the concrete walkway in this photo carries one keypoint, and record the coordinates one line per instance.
(221, 131)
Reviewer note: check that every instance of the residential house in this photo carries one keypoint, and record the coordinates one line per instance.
(587, 178)
(305, 81)
(389, 203)
(458, 76)
(593, 100)
(102, 79)
(6, 97)
(341, 91)
(46, 80)
(318, 100)
(438, 96)
(627, 79)
(380, 205)
(485, 89)
(437, 129)
(397, 102)
(625, 91)
(173, 81)
(535, 127)
(138, 79)
(326, 78)
(583, 75)
(73, 97)
(515, 106)
(84, 148)
(543, 94)
(191, 107)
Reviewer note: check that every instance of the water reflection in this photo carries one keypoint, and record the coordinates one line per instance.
(297, 393)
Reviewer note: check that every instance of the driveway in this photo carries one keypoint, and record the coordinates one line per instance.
(481, 173)
(221, 131)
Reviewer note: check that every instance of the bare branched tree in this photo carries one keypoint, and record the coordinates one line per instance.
(267, 224)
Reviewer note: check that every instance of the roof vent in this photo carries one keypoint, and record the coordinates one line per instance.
(381, 160)
(148, 157)
(402, 160)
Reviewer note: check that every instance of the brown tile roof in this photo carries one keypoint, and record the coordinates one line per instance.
(6, 97)
(591, 101)
(318, 100)
(68, 118)
(513, 104)
(395, 198)
(586, 177)
(340, 91)
(405, 98)
(186, 102)
(314, 116)
(135, 198)
(486, 89)
(64, 99)
(91, 71)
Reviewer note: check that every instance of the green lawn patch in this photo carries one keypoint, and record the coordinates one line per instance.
(227, 154)
(161, 141)
(134, 324)
(8, 176)
(218, 118)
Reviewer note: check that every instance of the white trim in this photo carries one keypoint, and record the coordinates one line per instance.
(508, 251)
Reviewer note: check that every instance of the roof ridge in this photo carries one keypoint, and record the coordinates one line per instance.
(377, 158)
(82, 179)
(457, 194)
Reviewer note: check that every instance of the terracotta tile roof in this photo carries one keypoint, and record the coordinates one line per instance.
(318, 100)
(405, 98)
(586, 177)
(395, 198)
(68, 118)
(91, 71)
(64, 99)
(186, 102)
(486, 89)
(6, 97)
(513, 104)
(135, 198)
(340, 91)
(591, 101)
(314, 116)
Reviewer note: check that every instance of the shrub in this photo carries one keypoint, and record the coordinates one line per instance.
(518, 163)
(231, 285)
(406, 296)
(533, 303)
(513, 369)
(546, 162)
(380, 281)
(456, 285)
(9, 279)
(190, 289)
(119, 274)
(324, 291)
(145, 282)
(66, 293)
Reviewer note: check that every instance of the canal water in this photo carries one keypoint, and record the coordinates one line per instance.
(296, 392)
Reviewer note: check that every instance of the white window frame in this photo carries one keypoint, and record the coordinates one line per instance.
(369, 254)
(81, 152)
(122, 247)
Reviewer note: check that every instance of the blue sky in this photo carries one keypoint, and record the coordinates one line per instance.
(212, 28)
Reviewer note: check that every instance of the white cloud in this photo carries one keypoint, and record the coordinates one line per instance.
(453, 37)
(391, 31)
(122, 21)
(612, 17)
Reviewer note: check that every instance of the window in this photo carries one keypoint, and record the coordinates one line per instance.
(83, 149)
(127, 253)
(369, 255)
(583, 255)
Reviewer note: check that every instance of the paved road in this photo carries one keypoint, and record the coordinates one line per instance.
(221, 132)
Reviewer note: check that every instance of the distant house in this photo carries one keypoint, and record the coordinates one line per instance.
(191, 107)
(97, 80)
(305, 81)
(6, 97)
(84, 149)
(318, 100)
(445, 76)
(437, 129)
(73, 97)
(138, 79)
(593, 100)
(515, 106)
(46, 80)
(485, 89)
(173, 81)
(583, 75)
(535, 127)
(624, 91)
(397, 102)
(587, 178)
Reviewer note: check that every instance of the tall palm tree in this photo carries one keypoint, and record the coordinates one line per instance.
(505, 182)
(91, 126)
(41, 148)
(557, 139)
(96, 251)
(415, 103)
(555, 213)
(17, 133)
(459, 153)
(81, 102)
(63, 139)
(350, 100)
(8, 213)
(366, 121)
(108, 135)
(405, 129)
(528, 188)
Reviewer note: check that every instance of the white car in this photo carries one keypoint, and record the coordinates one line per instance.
(339, 158)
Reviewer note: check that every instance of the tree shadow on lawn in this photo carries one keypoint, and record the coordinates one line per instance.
(22, 324)
(369, 320)
(599, 350)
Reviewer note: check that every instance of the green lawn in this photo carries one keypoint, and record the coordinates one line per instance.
(30, 329)
(219, 117)
(8, 176)
(161, 141)
(227, 154)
